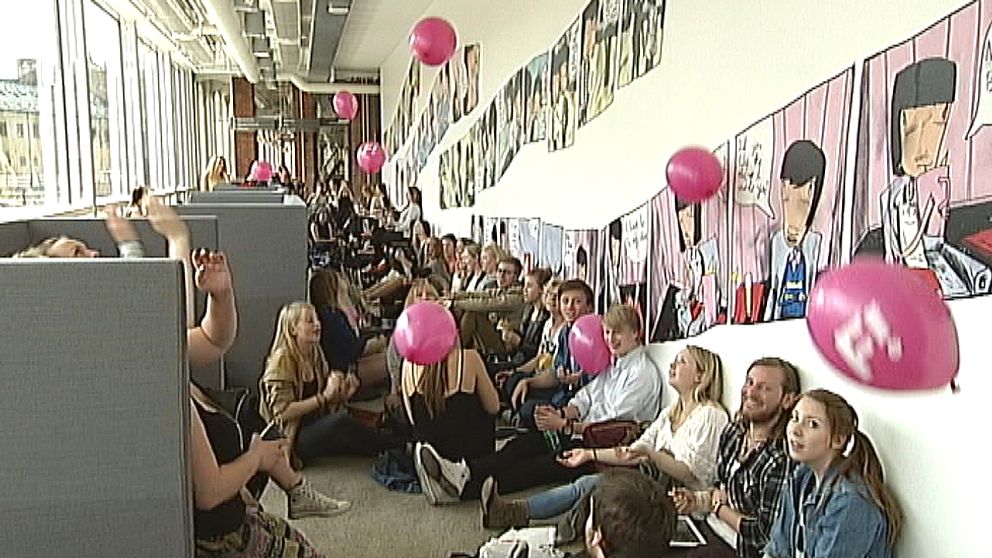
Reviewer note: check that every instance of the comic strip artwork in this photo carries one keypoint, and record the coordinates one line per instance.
(788, 179)
(565, 57)
(490, 230)
(509, 118)
(923, 182)
(472, 59)
(486, 152)
(536, 99)
(524, 237)
(446, 180)
(688, 259)
(623, 274)
(642, 26)
(581, 253)
(403, 117)
(552, 248)
(600, 23)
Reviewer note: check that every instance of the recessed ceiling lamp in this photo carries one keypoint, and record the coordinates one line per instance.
(338, 10)
(260, 47)
(244, 5)
(254, 24)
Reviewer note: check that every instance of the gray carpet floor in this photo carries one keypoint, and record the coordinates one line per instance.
(381, 522)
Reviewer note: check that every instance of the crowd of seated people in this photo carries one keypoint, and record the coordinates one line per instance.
(789, 474)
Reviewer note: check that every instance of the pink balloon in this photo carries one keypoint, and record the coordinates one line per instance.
(587, 344)
(345, 104)
(433, 41)
(261, 171)
(695, 174)
(371, 156)
(883, 326)
(425, 333)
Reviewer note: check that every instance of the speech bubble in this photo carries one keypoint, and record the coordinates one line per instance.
(513, 230)
(753, 175)
(635, 234)
(983, 113)
(534, 226)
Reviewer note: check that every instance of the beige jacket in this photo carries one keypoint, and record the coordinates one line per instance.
(281, 385)
(501, 304)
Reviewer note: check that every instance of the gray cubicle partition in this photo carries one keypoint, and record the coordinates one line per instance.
(267, 248)
(13, 237)
(94, 408)
(93, 231)
(235, 196)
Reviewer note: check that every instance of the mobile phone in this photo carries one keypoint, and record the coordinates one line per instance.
(272, 431)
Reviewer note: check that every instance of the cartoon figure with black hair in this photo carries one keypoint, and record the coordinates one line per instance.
(683, 309)
(563, 104)
(795, 249)
(609, 287)
(582, 264)
(922, 96)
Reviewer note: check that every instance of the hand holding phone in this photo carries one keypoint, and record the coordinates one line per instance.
(272, 431)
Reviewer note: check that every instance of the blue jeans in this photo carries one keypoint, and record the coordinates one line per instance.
(550, 503)
(339, 433)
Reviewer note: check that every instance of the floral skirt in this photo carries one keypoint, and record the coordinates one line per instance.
(262, 535)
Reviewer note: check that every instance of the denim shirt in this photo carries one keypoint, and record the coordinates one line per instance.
(840, 522)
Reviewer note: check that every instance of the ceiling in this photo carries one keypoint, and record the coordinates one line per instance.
(307, 42)
(373, 29)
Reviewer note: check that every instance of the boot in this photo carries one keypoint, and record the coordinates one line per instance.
(498, 513)
(305, 501)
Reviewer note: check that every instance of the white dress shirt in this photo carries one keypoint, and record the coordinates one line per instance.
(629, 389)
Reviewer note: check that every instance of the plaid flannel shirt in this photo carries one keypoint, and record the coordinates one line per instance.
(753, 485)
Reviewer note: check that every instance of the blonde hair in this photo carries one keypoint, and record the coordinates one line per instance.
(710, 388)
(286, 352)
(417, 286)
(495, 251)
(40, 250)
(622, 316)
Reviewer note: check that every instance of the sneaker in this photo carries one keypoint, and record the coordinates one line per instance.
(305, 501)
(441, 480)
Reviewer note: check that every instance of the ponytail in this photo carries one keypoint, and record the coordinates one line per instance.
(860, 460)
(433, 385)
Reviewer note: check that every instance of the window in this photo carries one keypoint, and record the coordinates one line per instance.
(30, 90)
(106, 98)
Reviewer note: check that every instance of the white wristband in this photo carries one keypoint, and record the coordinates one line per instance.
(131, 249)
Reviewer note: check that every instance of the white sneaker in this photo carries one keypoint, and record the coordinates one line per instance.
(305, 501)
(441, 480)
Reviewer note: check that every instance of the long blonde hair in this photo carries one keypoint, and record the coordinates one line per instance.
(862, 461)
(286, 352)
(710, 388)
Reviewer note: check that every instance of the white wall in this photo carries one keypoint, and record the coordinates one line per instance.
(726, 64)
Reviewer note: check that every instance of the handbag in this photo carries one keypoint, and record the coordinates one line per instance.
(610, 433)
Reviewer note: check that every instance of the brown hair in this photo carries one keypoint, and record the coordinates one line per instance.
(633, 514)
(540, 274)
(435, 251)
(417, 285)
(790, 386)
(862, 462)
(324, 289)
(577, 285)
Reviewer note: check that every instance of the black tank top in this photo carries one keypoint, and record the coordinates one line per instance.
(463, 430)
(225, 439)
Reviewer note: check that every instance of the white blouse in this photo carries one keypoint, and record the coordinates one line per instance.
(696, 443)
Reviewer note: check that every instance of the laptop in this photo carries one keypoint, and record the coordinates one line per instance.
(686, 534)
